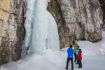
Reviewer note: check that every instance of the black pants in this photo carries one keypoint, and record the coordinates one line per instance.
(77, 61)
(80, 63)
(75, 56)
(67, 63)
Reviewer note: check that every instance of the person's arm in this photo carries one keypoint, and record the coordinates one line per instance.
(67, 50)
(73, 53)
(81, 56)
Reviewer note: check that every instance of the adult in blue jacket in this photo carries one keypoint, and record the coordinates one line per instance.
(70, 52)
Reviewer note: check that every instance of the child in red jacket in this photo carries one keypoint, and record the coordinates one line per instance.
(80, 58)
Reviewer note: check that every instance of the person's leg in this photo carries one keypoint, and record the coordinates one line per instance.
(81, 64)
(67, 63)
(72, 64)
(75, 57)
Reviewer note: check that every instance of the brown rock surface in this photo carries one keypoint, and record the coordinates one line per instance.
(77, 19)
(11, 30)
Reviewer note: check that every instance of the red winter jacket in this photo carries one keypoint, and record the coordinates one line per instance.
(80, 56)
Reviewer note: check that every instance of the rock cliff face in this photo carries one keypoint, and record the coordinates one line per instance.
(11, 29)
(102, 5)
(77, 19)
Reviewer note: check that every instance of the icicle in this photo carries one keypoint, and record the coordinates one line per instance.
(43, 34)
(28, 22)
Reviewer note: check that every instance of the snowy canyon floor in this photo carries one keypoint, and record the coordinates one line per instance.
(93, 59)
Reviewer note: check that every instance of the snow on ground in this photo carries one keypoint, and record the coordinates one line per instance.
(92, 59)
(89, 49)
(101, 44)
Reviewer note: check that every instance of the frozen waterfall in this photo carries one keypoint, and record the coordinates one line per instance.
(41, 28)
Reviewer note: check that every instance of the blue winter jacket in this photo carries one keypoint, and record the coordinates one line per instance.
(70, 52)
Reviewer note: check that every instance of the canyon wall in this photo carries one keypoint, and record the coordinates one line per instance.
(11, 30)
(77, 19)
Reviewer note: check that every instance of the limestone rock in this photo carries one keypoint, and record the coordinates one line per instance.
(77, 19)
(102, 5)
(11, 30)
